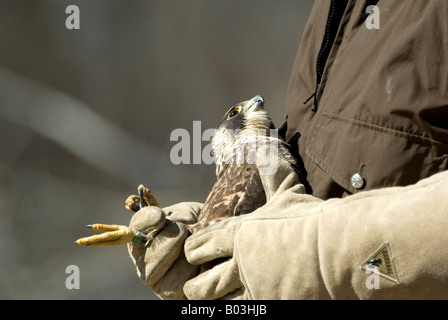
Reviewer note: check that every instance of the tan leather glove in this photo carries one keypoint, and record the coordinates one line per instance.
(160, 262)
(217, 241)
(389, 243)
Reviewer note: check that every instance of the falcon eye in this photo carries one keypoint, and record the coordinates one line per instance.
(233, 112)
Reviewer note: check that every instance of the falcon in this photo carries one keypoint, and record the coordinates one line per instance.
(238, 188)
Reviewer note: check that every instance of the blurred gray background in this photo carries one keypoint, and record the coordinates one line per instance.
(86, 116)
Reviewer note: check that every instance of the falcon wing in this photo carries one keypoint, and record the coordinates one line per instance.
(238, 190)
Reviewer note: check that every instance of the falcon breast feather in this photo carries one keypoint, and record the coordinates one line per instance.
(238, 188)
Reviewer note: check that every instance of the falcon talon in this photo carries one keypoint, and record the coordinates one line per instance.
(115, 235)
(147, 197)
(132, 203)
(143, 202)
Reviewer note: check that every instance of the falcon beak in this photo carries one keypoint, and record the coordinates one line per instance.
(255, 104)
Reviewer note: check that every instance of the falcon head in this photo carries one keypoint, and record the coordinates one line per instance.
(241, 125)
(246, 115)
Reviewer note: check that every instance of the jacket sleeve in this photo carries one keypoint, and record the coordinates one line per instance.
(388, 243)
(379, 116)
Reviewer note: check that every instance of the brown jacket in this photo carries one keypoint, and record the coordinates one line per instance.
(381, 104)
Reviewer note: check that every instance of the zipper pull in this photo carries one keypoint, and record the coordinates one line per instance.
(307, 100)
(315, 101)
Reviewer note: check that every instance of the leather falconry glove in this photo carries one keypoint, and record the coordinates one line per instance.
(160, 262)
(389, 243)
(218, 241)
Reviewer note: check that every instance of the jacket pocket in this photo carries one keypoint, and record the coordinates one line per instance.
(383, 157)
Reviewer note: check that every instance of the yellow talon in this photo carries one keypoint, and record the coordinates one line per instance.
(116, 235)
(148, 197)
(133, 202)
(106, 227)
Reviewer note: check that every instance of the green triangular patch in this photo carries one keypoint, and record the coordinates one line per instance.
(382, 260)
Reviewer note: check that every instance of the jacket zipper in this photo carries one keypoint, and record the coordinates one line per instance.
(333, 20)
(320, 61)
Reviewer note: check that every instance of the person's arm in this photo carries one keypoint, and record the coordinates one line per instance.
(299, 247)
